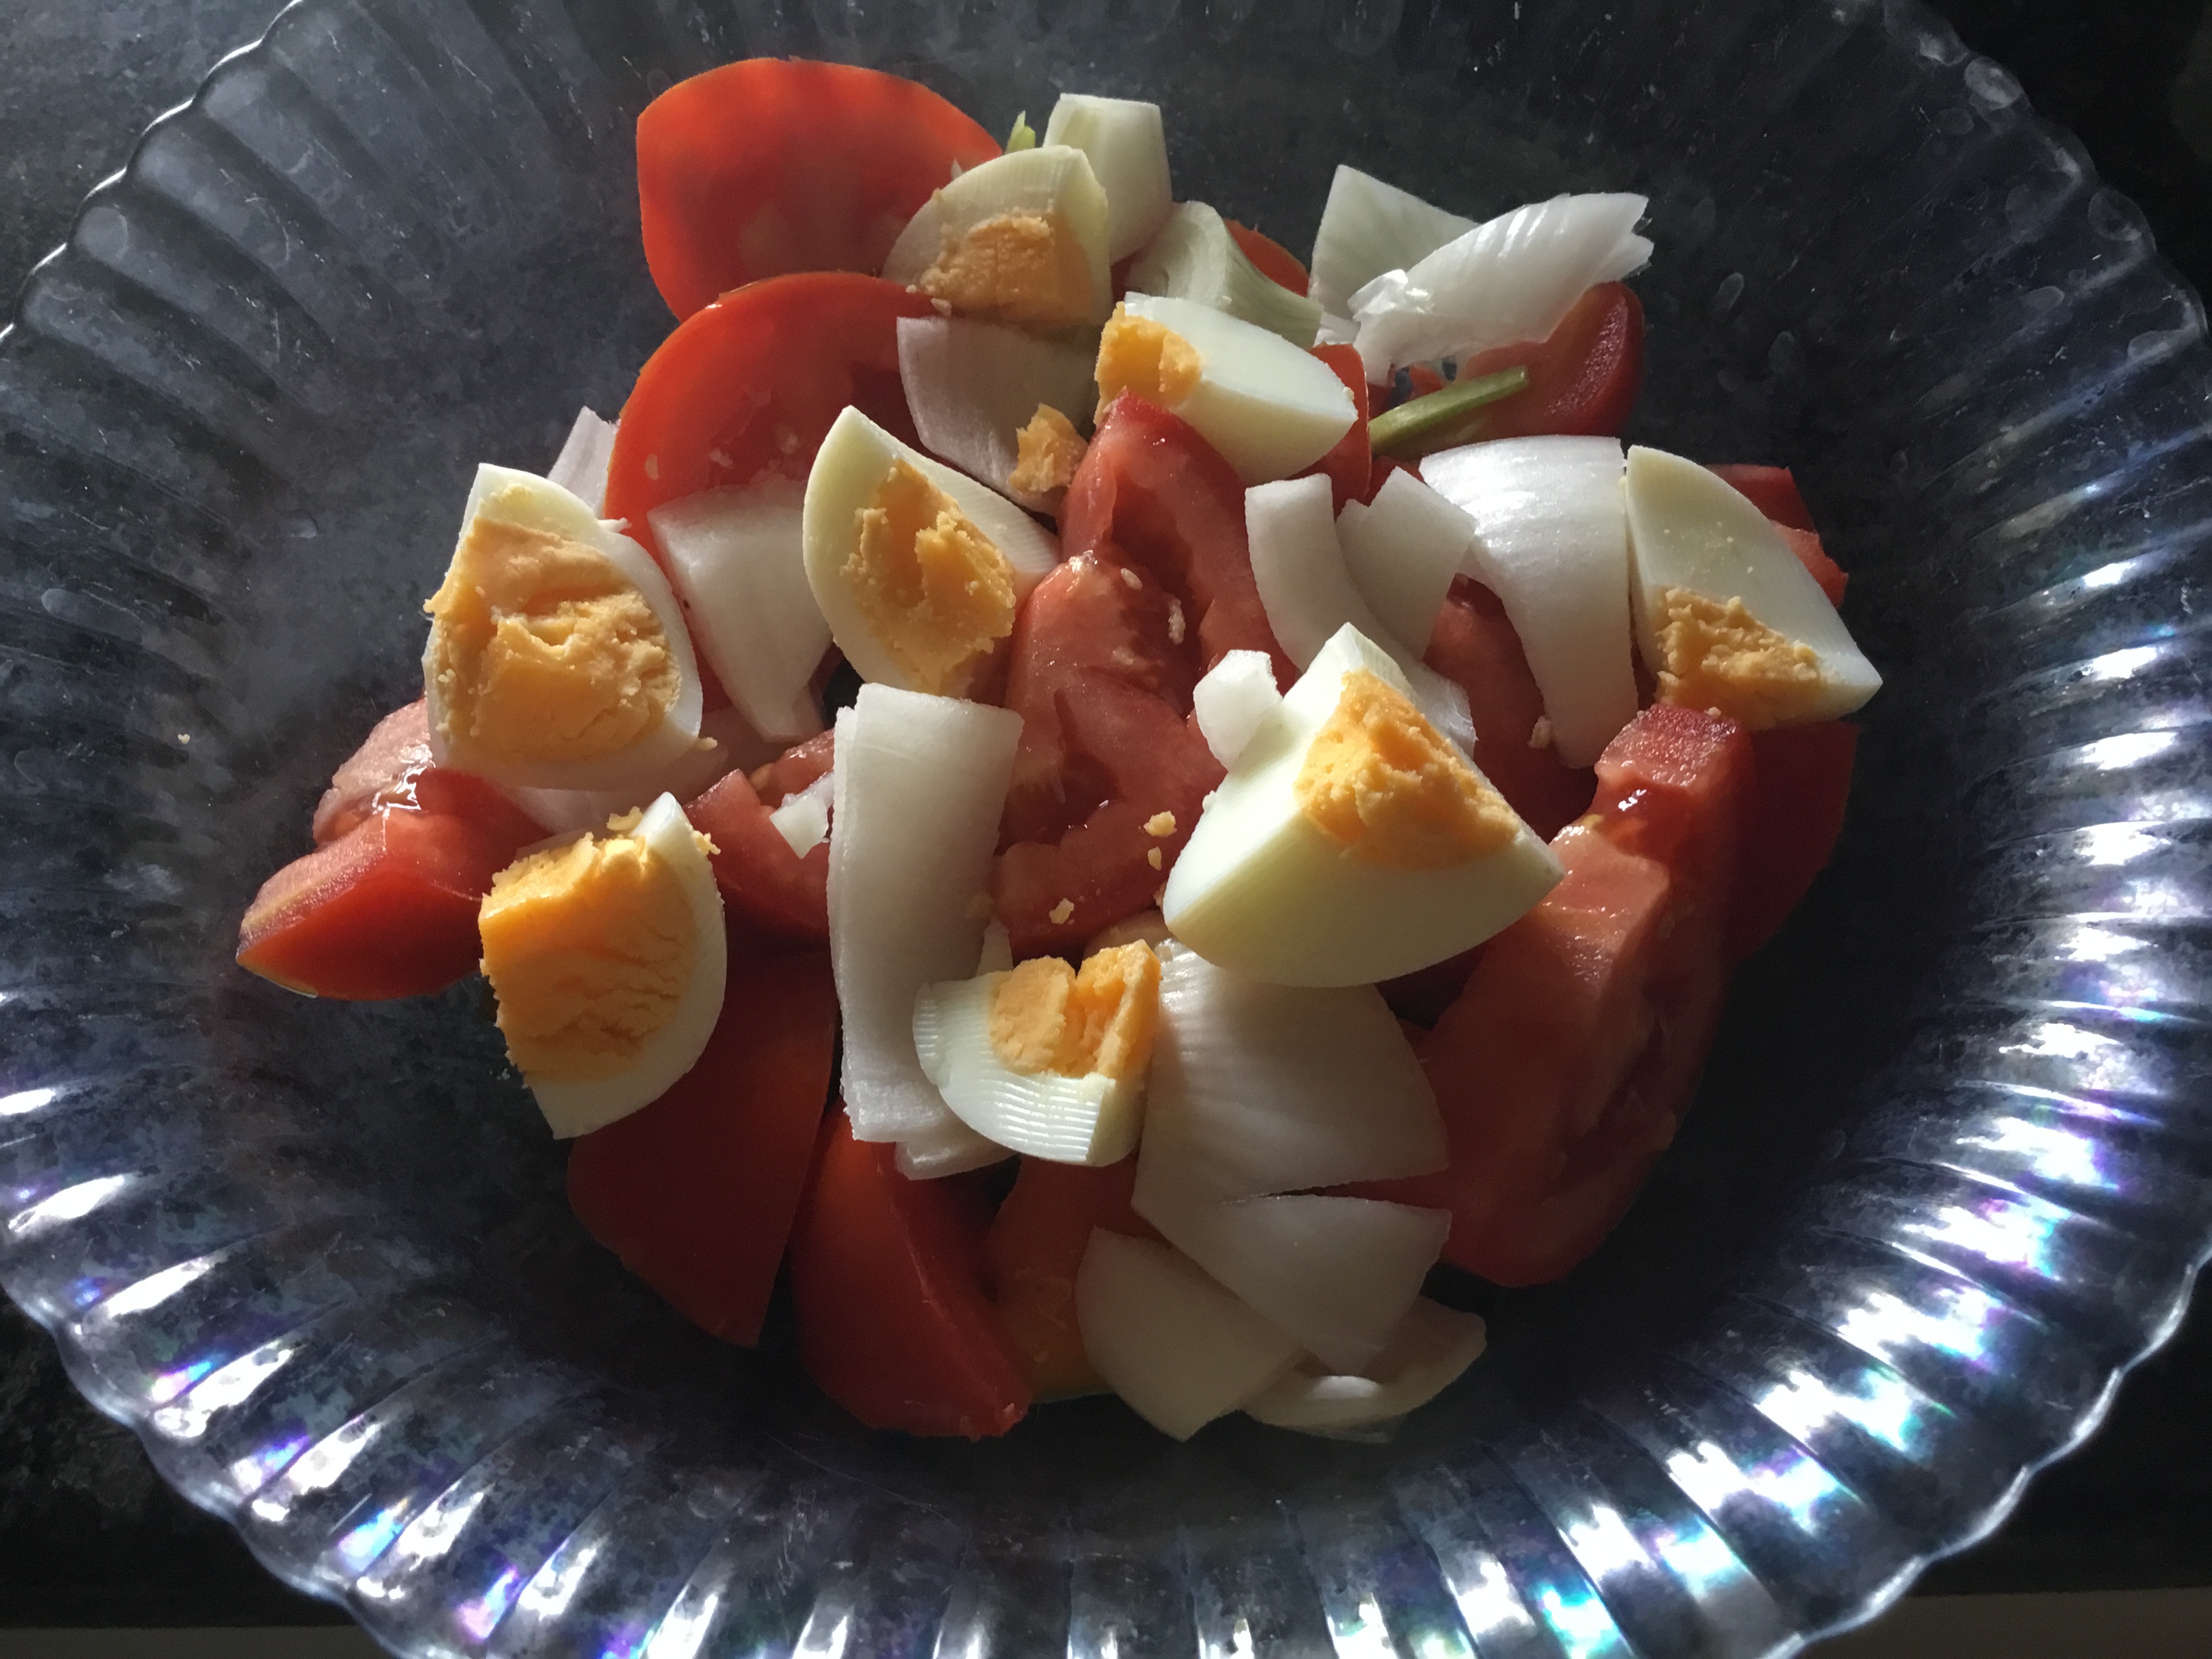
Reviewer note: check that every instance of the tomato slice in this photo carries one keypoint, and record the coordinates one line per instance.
(1793, 814)
(747, 386)
(797, 767)
(1032, 1254)
(886, 1278)
(696, 1192)
(773, 165)
(1275, 262)
(1563, 1068)
(1475, 645)
(389, 908)
(785, 896)
(1351, 466)
(1150, 492)
(1582, 380)
(396, 749)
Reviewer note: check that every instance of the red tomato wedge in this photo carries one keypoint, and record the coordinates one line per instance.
(396, 749)
(1032, 1254)
(748, 386)
(388, 908)
(1792, 815)
(1275, 262)
(773, 165)
(696, 1192)
(801, 764)
(1351, 466)
(1582, 381)
(1475, 645)
(1563, 1068)
(1150, 492)
(785, 896)
(886, 1278)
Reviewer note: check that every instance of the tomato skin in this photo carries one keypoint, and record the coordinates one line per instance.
(1276, 262)
(773, 165)
(1793, 814)
(1150, 492)
(785, 896)
(1475, 646)
(1583, 380)
(886, 1276)
(388, 908)
(397, 747)
(696, 1192)
(1032, 1254)
(1351, 466)
(748, 386)
(1563, 1068)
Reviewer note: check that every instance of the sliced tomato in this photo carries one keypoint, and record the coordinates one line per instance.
(389, 908)
(747, 386)
(1032, 1254)
(1475, 645)
(1772, 489)
(886, 1278)
(1582, 380)
(1792, 815)
(799, 766)
(1350, 466)
(1275, 262)
(396, 748)
(774, 165)
(783, 895)
(1563, 1068)
(1150, 492)
(696, 1193)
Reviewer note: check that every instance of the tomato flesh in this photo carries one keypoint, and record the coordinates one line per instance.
(1032, 1254)
(773, 165)
(1475, 646)
(886, 1278)
(696, 1192)
(396, 748)
(389, 908)
(1583, 379)
(747, 386)
(785, 896)
(1793, 814)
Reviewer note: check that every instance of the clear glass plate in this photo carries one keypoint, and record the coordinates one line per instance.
(1952, 1169)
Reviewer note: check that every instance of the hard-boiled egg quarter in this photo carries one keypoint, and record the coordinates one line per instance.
(1020, 240)
(606, 955)
(918, 569)
(1270, 409)
(1351, 843)
(1727, 618)
(557, 656)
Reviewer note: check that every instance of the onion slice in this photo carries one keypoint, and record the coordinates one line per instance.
(1232, 699)
(971, 386)
(1368, 228)
(1402, 551)
(1433, 1344)
(581, 466)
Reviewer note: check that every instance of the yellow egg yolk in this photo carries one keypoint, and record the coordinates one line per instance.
(1148, 358)
(1047, 453)
(588, 948)
(1378, 780)
(541, 649)
(1026, 269)
(935, 591)
(1719, 656)
(1046, 1016)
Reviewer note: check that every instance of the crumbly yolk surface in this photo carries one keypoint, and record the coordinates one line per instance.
(1378, 780)
(1046, 1016)
(936, 592)
(1047, 453)
(1717, 655)
(541, 649)
(588, 948)
(1026, 269)
(1138, 354)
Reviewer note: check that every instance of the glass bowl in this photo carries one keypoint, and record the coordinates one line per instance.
(1950, 1174)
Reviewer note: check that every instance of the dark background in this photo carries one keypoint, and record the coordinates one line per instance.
(89, 1535)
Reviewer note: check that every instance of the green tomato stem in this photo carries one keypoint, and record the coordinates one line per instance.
(1420, 417)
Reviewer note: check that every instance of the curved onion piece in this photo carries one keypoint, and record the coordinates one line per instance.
(1195, 257)
(1403, 549)
(581, 466)
(1232, 701)
(1173, 1344)
(1432, 1346)
(920, 782)
(1127, 144)
(970, 387)
(1368, 228)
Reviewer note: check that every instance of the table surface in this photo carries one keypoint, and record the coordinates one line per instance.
(90, 1536)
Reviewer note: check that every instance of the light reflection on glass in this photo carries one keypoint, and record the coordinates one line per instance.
(2112, 575)
(2088, 942)
(2013, 1233)
(70, 1204)
(1487, 1604)
(555, 1585)
(439, 1526)
(2127, 749)
(2054, 1154)
(2105, 845)
(368, 1540)
(231, 1386)
(1580, 1626)
(2121, 664)
(171, 1383)
(156, 1288)
(627, 1645)
(1789, 1481)
(683, 1629)
(1603, 1543)
(1885, 1406)
(2103, 1062)
(481, 1617)
(1363, 1634)
(1884, 1324)
(254, 1471)
(25, 1100)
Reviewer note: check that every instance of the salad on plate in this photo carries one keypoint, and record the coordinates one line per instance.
(1109, 798)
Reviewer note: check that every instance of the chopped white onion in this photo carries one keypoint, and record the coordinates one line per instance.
(1127, 144)
(1337, 1274)
(971, 386)
(1195, 257)
(1402, 551)
(1308, 594)
(1259, 1088)
(997, 955)
(1178, 1348)
(920, 782)
(1368, 228)
(1509, 279)
(581, 466)
(737, 557)
(1551, 542)
(1432, 1346)
(803, 820)
(1232, 699)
